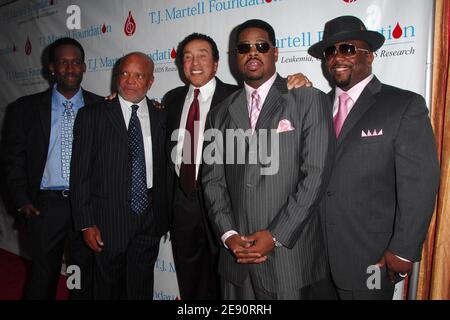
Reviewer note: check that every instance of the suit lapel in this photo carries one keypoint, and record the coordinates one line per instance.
(219, 94)
(115, 115)
(174, 112)
(45, 113)
(362, 105)
(239, 112)
(272, 102)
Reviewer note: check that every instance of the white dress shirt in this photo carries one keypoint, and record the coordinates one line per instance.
(144, 119)
(204, 98)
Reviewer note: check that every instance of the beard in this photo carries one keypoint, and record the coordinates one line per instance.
(342, 83)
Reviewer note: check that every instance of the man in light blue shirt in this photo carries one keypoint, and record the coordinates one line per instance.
(37, 162)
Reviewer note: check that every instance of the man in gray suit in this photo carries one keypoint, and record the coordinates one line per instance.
(264, 208)
(385, 175)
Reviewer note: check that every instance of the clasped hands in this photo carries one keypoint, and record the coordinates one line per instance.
(251, 249)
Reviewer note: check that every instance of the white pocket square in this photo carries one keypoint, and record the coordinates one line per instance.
(284, 126)
(373, 133)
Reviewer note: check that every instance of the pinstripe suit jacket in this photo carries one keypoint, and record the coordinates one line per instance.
(239, 198)
(100, 172)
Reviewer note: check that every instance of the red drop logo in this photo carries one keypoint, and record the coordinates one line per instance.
(173, 53)
(268, 1)
(130, 26)
(28, 47)
(397, 33)
(104, 28)
(349, 1)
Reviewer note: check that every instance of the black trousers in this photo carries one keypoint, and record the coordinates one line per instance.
(126, 272)
(195, 259)
(48, 234)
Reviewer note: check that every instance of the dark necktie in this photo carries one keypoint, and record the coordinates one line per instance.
(187, 169)
(139, 193)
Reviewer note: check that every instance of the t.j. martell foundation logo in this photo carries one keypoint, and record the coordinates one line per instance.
(130, 26)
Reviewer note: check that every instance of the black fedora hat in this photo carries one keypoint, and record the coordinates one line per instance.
(346, 28)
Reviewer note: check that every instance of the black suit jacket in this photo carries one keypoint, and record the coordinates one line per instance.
(27, 143)
(100, 171)
(173, 102)
(382, 189)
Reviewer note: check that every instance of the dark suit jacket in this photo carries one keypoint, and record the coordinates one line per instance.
(27, 143)
(173, 101)
(239, 197)
(382, 190)
(100, 171)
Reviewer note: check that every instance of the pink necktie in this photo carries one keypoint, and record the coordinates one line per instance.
(340, 116)
(256, 109)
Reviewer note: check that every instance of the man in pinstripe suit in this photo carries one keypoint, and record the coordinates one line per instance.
(123, 231)
(265, 211)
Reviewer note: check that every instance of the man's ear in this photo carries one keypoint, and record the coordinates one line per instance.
(51, 68)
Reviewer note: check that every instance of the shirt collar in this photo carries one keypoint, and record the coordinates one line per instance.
(263, 89)
(206, 91)
(77, 100)
(355, 91)
(142, 104)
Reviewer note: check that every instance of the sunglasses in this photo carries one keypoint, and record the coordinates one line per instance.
(345, 49)
(262, 47)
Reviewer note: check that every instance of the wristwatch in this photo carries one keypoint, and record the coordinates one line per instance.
(276, 242)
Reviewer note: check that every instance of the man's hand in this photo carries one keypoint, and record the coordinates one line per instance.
(298, 80)
(93, 238)
(237, 243)
(262, 244)
(29, 210)
(394, 265)
(111, 96)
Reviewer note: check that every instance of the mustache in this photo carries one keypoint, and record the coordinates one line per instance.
(252, 58)
(338, 65)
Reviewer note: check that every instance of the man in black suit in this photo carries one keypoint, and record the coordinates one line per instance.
(118, 182)
(385, 176)
(195, 249)
(37, 160)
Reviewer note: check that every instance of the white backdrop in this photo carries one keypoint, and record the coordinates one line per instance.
(112, 28)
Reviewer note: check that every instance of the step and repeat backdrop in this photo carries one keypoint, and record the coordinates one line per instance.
(108, 29)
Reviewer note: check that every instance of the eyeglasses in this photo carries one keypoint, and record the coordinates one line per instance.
(345, 49)
(262, 47)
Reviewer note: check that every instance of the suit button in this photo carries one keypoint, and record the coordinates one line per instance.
(249, 185)
(329, 193)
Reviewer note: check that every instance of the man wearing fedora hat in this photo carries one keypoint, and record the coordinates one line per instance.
(381, 194)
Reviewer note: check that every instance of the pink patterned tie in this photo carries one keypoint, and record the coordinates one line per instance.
(340, 116)
(256, 109)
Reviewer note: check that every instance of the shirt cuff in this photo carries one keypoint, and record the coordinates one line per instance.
(226, 235)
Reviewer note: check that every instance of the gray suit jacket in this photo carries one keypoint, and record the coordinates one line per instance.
(239, 197)
(382, 189)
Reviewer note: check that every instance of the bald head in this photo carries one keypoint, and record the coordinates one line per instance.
(135, 76)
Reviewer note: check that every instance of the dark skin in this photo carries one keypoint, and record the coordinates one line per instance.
(67, 70)
(135, 79)
(256, 68)
(346, 73)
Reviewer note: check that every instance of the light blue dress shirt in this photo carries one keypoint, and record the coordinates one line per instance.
(52, 178)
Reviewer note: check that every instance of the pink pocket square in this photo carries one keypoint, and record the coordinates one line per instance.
(369, 133)
(284, 126)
